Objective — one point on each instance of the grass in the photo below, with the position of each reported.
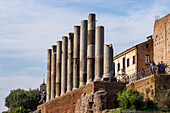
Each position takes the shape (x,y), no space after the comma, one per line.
(144,110)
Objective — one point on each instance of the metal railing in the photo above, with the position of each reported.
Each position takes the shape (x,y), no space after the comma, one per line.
(125,78)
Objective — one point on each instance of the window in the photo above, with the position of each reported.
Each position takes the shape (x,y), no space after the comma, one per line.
(124,63)
(147,46)
(128,62)
(118,67)
(147,59)
(133,59)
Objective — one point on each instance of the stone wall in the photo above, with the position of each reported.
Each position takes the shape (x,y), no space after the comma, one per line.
(161,41)
(150,85)
(112,88)
(67,102)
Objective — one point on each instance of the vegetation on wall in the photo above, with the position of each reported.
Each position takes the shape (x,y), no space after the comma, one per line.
(130,99)
(163,99)
(159,91)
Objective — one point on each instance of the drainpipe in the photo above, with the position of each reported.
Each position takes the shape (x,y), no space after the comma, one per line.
(136,59)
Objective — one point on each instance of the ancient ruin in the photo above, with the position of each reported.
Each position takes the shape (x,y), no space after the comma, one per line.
(79,59)
(81,70)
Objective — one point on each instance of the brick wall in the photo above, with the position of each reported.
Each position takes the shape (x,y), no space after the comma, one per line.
(162,82)
(151,84)
(67,103)
(112,88)
(143,85)
(142,51)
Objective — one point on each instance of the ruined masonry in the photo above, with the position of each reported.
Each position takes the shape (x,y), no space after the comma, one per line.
(80,68)
(79,59)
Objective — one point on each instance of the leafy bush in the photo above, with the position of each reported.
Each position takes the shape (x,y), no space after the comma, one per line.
(150,104)
(19,110)
(130,99)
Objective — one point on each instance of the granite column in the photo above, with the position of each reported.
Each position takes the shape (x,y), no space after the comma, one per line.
(83,52)
(91,47)
(70,62)
(53,72)
(64,65)
(76,55)
(58,68)
(108,63)
(99,47)
(48,75)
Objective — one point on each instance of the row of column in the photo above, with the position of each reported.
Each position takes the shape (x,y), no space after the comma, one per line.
(79,59)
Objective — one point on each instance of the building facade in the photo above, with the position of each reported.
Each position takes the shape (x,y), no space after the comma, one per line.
(134,59)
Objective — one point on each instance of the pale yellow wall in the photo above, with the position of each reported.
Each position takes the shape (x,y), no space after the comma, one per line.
(132,67)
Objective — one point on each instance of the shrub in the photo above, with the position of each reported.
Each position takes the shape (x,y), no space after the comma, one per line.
(153,79)
(150,104)
(19,110)
(130,99)
(132,85)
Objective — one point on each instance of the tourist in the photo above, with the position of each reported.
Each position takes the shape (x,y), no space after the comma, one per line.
(142,73)
(158,67)
(152,64)
(164,72)
(162,67)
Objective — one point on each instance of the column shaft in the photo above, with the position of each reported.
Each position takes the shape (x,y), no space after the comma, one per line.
(108,63)
(64,65)
(58,68)
(91,47)
(53,72)
(99,47)
(70,62)
(111,60)
(48,75)
(83,52)
(76,48)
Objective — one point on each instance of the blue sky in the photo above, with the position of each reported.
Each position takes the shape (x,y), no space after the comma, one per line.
(29,27)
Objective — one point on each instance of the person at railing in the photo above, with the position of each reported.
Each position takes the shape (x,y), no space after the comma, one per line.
(159,68)
(152,64)
(162,67)
(164,72)
(142,73)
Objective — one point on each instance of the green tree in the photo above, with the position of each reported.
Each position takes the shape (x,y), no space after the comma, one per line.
(130,99)
(33,98)
(24,99)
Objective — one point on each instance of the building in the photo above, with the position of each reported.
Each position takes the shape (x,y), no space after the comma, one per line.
(134,59)
(42,91)
(161,40)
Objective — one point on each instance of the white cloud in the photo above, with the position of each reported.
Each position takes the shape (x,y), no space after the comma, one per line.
(32,28)
(20,81)
(124,31)
(29,28)
(32,68)
(15,82)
